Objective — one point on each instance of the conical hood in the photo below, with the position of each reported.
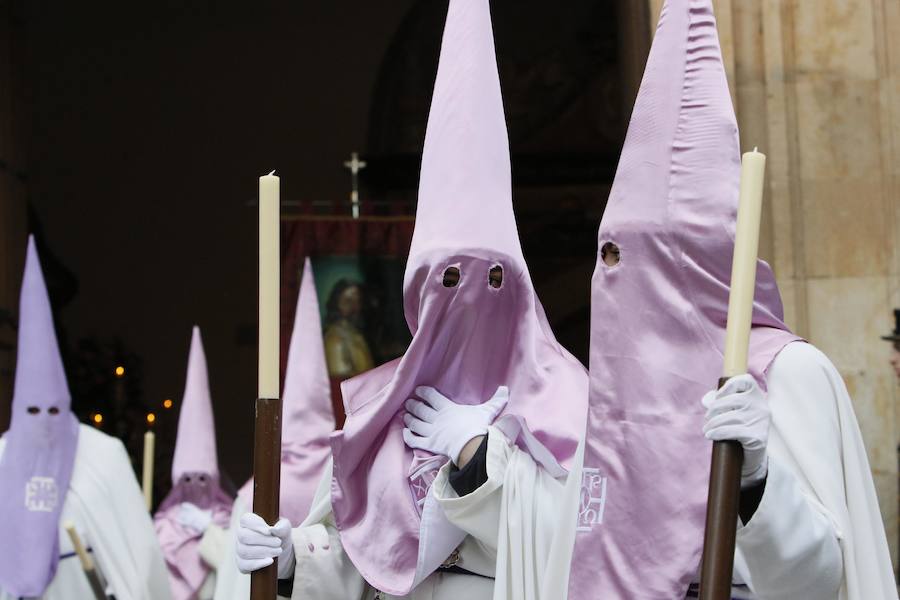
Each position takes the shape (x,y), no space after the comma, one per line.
(195,478)
(308,414)
(307,410)
(476,321)
(40,376)
(195,448)
(465,186)
(37,462)
(658,321)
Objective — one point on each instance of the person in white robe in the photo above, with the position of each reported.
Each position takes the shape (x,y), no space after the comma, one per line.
(191,521)
(55,471)
(449,478)
(809,526)
(307,421)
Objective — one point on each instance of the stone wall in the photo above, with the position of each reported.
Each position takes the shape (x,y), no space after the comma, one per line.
(817,88)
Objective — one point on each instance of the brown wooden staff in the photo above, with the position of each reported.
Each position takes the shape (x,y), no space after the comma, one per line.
(728,457)
(267,435)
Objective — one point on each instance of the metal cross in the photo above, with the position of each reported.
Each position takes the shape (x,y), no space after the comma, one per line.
(355,165)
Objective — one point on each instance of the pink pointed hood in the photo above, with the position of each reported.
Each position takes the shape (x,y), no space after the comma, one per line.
(195,479)
(658,321)
(469,337)
(195,447)
(307,413)
(37,462)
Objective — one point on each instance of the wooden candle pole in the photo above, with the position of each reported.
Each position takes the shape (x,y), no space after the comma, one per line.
(147,475)
(87,564)
(267,436)
(728,457)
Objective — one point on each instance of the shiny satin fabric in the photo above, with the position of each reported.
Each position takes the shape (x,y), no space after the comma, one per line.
(307,413)
(180,545)
(468,338)
(658,321)
(40,446)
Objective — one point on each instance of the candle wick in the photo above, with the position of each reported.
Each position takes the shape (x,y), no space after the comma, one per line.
(272,173)
(755,149)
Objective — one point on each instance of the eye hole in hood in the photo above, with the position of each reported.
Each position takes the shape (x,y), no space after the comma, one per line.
(610,254)
(495,277)
(451,277)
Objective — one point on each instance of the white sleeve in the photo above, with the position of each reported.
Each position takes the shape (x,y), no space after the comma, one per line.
(213,544)
(793,545)
(519,514)
(790,547)
(323,569)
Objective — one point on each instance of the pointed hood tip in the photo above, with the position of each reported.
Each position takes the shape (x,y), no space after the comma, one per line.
(307,387)
(195,446)
(40,375)
(683,117)
(465,186)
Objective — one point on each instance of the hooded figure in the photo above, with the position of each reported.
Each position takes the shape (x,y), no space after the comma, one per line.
(659,306)
(190,521)
(307,421)
(481,344)
(53,470)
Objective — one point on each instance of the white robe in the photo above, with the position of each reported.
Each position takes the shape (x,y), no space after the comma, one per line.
(107,507)
(213,547)
(817,533)
(520,525)
(231,584)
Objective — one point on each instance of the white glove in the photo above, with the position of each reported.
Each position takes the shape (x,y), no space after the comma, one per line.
(193,517)
(259,544)
(441,426)
(739,412)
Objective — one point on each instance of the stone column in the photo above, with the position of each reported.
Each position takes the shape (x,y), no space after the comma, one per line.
(12,202)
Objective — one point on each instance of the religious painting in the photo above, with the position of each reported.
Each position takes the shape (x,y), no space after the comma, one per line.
(362,313)
(358,266)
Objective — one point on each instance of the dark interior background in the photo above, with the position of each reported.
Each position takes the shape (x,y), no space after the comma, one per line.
(145,126)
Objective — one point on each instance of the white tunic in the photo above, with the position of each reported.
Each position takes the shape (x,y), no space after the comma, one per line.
(212,549)
(231,584)
(107,507)
(512,522)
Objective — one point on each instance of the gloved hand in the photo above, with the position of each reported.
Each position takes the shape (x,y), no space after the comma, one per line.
(258,544)
(193,517)
(739,411)
(441,426)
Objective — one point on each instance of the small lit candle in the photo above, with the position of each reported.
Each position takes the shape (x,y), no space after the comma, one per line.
(743,270)
(269,278)
(147,479)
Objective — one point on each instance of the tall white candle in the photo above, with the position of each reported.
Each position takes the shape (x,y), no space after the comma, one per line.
(147,475)
(743,269)
(269,278)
